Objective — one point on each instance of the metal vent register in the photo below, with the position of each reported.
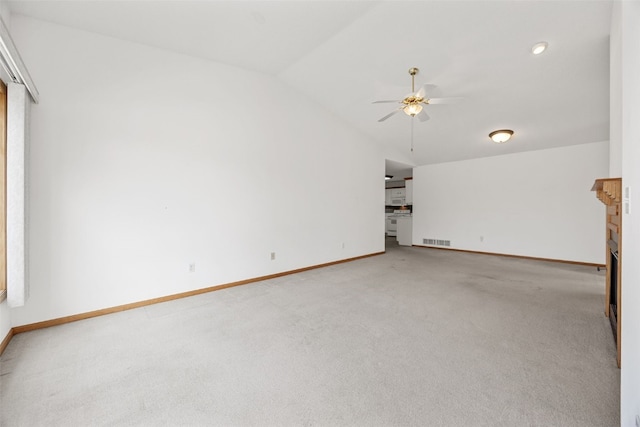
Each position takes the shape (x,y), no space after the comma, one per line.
(436,242)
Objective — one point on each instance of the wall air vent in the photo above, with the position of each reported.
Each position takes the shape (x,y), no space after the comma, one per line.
(436,242)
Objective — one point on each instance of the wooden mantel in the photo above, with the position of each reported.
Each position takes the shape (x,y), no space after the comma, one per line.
(609,192)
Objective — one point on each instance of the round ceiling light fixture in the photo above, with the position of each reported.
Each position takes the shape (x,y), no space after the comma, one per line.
(412,109)
(501,136)
(538,48)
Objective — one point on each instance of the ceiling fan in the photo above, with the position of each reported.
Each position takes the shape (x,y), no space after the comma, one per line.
(412,104)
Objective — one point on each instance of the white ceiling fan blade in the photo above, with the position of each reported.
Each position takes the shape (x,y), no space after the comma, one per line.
(423,116)
(384,102)
(390,114)
(451,100)
(422,93)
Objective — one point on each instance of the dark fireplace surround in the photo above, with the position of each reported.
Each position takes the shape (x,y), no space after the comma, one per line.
(613,288)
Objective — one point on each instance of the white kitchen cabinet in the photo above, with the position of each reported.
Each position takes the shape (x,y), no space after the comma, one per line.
(408,193)
(404,231)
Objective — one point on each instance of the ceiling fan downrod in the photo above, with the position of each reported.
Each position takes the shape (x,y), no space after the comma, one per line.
(413,71)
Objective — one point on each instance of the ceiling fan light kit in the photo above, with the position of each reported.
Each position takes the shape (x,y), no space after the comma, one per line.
(501,136)
(412,109)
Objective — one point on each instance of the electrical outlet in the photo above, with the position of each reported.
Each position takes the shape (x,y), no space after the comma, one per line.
(192,267)
(626,199)
(273,256)
(482,238)
(342,245)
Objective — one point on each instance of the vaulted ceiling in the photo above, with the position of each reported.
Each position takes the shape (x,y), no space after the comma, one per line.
(346,54)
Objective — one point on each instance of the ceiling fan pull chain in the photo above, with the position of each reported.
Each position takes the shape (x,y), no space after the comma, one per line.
(412,134)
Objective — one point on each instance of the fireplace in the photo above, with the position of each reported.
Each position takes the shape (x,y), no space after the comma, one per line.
(609,192)
(613,292)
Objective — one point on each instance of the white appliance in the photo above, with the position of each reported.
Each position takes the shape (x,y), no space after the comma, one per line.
(397,196)
(392,226)
(392,220)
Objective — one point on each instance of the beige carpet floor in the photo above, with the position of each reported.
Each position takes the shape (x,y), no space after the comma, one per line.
(414,337)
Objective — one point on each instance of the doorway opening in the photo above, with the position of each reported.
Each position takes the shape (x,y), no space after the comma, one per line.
(398,207)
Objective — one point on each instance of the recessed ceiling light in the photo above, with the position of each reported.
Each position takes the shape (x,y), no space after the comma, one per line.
(501,136)
(538,48)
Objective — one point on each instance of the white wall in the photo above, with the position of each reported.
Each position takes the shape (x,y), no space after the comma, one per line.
(534,204)
(615,95)
(18,107)
(5,320)
(628,16)
(144,161)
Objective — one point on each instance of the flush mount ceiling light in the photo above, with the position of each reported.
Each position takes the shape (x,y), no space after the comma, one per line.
(538,48)
(501,136)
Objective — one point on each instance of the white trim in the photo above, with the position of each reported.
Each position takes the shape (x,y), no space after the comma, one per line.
(12,63)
